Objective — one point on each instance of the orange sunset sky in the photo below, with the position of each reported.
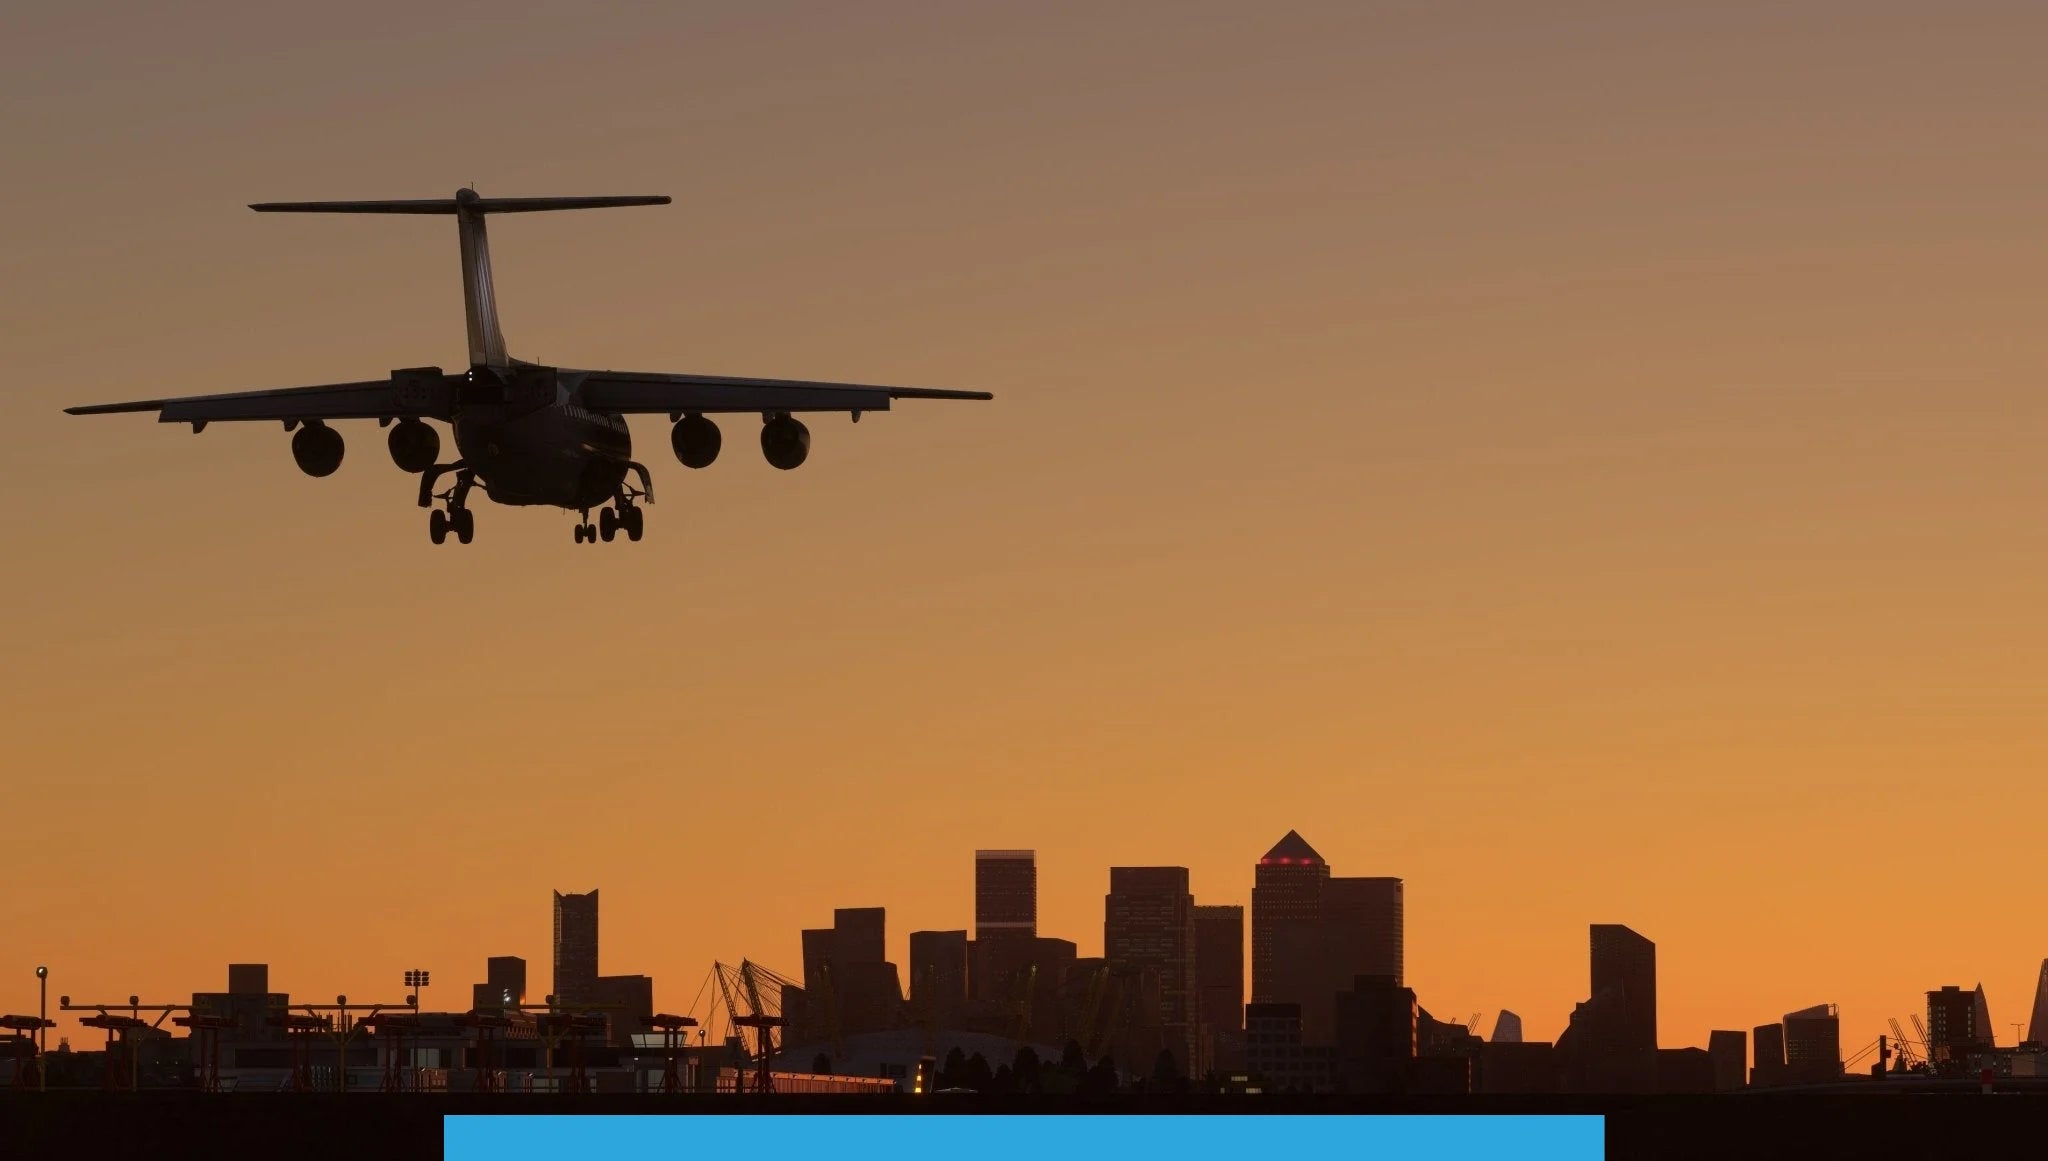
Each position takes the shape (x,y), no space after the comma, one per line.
(1582,458)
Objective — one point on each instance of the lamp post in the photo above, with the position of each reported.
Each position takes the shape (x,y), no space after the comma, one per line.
(42,1031)
(416,979)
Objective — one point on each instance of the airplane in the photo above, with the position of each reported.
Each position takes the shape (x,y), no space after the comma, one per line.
(525,434)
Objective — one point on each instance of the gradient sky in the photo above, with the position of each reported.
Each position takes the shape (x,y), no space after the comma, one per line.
(1582,458)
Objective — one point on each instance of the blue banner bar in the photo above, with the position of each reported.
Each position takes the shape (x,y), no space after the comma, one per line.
(1000,1138)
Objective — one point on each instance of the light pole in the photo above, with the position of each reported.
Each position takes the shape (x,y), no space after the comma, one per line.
(42,1030)
(416,979)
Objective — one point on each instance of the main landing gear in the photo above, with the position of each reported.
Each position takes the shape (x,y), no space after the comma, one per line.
(623,516)
(457,517)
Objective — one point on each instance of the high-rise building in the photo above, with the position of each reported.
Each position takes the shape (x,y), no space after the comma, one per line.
(1149,922)
(1507,1028)
(1625,965)
(938,974)
(1287,892)
(862,934)
(2037,1030)
(1980,1012)
(1005,920)
(1813,1045)
(1767,1043)
(1365,919)
(504,984)
(1219,982)
(1377,1035)
(1727,1049)
(1952,1028)
(575,976)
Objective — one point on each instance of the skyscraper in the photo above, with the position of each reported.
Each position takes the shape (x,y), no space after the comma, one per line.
(1625,965)
(1767,1048)
(1953,1031)
(1005,919)
(1219,982)
(1287,891)
(2039,1027)
(1507,1028)
(1728,1050)
(938,973)
(1149,922)
(575,947)
(861,934)
(1813,1044)
(1365,917)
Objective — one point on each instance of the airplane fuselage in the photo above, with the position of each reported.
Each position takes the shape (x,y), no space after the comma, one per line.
(558,453)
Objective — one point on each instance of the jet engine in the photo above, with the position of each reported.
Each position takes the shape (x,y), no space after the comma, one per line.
(786,442)
(318,449)
(414,446)
(696,441)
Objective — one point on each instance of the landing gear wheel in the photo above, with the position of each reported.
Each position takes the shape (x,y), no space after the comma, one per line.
(464,522)
(635,523)
(579,532)
(608,524)
(437,526)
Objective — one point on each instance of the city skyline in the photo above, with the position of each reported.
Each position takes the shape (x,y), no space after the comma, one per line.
(1622,964)
(1582,458)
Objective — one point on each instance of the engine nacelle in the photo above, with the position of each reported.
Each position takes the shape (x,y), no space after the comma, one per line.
(786,442)
(696,441)
(414,446)
(318,449)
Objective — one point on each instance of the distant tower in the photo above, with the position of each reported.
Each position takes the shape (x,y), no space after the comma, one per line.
(575,946)
(1149,922)
(1981,1011)
(1507,1028)
(2039,1028)
(1005,919)
(1287,889)
(1625,965)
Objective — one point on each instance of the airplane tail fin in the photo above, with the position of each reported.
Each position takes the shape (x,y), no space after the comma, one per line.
(480,303)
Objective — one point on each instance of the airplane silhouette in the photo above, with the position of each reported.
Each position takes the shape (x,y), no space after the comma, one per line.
(526,434)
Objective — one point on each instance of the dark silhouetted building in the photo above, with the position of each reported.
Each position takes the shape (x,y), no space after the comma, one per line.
(1287,890)
(1219,982)
(1730,1053)
(938,977)
(1625,965)
(1365,917)
(1275,1055)
(1953,1034)
(504,984)
(1982,1021)
(849,986)
(1149,922)
(627,1001)
(1376,1036)
(1685,1070)
(1507,1028)
(2037,1028)
(862,934)
(1813,1045)
(1005,920)
(1312,934)
(1519,1067)
(575,978)
(1768,1045)
(249,1002)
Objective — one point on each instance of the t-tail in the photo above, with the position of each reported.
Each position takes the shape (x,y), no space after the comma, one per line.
(479,301)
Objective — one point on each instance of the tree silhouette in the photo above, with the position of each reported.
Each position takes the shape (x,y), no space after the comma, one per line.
(1025,1069)
(952,1073)
(1004,1081)
(978,1077)
(1073,1061)
(1101,1079)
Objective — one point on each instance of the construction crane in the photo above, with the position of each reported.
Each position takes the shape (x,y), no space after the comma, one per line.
(1472,1025)
(1906,1056)
(745,983)
(1926,1045)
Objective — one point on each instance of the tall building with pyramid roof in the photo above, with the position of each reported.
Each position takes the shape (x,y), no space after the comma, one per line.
(1287,889)
(1314,934)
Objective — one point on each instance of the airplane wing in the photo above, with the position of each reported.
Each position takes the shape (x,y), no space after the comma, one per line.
(633,391)
(426,393)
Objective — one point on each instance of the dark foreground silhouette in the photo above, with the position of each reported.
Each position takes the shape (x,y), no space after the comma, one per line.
(368,1125)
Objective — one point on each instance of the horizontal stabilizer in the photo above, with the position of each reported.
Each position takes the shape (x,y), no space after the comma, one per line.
(465,201)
